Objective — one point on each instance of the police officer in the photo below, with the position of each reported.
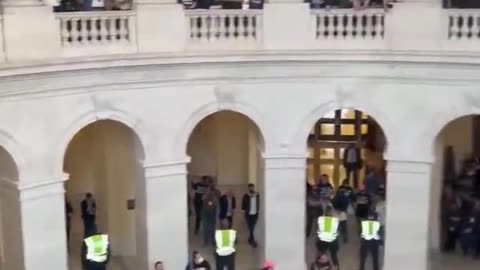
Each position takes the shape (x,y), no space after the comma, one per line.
(328,235)
(453,226)
(225,241)
(95,251)
(370,240)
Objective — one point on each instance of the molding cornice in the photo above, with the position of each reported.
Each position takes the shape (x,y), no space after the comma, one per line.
(131,77)
(101,62)
(167,169)
(408,167)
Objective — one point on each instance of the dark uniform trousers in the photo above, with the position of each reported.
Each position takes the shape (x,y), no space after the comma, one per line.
(369,246)
(331,247)
(90,265)
(227,262)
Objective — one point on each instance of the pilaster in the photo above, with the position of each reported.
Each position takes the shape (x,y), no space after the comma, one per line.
(169,33)
(167,213)
(285,210)
(424,31)
(408,199)
(295,33)
(26,24)
(42,223)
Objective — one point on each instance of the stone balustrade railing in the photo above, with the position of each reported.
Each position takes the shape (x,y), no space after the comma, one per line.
(463,29)
(224,29)
(94,33)
(103,33)
(349,29)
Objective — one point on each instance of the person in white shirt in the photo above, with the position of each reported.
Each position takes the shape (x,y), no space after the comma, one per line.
(251,209)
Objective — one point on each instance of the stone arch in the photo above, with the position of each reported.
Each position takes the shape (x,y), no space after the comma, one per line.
(11,147)
(436,144)
(441,122)
(300,137)
(85,119)
(180,147)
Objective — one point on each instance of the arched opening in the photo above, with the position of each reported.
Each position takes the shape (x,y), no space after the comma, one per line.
(345,172)
(226,150)
(455,195)
(105,159)
(11,237)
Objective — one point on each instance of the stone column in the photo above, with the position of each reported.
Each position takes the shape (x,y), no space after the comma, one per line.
(408,198)
(30,30)
(42,211)
(166,214)
(161,26)
(284,206)
(287,25)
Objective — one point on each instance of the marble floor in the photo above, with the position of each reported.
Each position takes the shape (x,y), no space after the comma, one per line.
(249,258)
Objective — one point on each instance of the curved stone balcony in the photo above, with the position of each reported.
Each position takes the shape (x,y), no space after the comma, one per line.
(410,28)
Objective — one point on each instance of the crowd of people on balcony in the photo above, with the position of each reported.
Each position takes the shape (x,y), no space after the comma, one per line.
(102,5)
(461,3)
(93,5)
(355,4)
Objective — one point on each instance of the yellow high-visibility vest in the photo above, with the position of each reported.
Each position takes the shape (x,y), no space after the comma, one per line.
(97,248)
(327,228)
(225,240)
(370,230)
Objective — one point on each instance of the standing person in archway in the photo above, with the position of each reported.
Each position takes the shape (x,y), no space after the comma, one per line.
(68,219)
(227,205)
(352,161)
(314,205)
(89,211)
(364,203)
(199,188)
(209,215)
(251,209)
(342,200)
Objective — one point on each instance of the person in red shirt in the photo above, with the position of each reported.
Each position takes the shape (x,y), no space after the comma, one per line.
(267,265)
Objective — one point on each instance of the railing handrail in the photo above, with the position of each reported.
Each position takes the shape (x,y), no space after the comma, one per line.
(342,11)
(101,13)
(461,11)
(197,12)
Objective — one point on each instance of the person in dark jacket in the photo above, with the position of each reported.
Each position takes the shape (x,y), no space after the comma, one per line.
(198,262)
(314,207)
(209,215)
(227,205)
(199,188)
(68,218)
(453,227)
(322,262)
(342,200)
(364,202)
(89,209)
(468,234)
(251,209)
(352,162)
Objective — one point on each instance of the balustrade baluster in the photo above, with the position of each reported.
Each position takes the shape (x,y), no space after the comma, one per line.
(94,29)
(75,31)
(65,26)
